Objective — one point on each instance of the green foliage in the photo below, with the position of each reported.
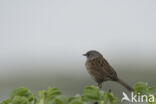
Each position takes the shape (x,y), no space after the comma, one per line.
(20,96)
(53,95)
(92,93)
(109,98)
(143,88)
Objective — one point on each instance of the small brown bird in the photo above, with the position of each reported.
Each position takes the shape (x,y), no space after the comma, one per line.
(100,69)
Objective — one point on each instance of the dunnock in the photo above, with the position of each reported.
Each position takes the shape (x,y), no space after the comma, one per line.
(100,69)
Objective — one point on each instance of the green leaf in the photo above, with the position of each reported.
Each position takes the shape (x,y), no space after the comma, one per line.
(71,99)
(92,93)
(143,88)
(23,92)
(60,100)
(52,92)
(20,100)
(42,95)
(109,98)
(8,101)
(76,101)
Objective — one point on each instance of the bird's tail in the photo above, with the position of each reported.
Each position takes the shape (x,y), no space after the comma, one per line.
(125,85)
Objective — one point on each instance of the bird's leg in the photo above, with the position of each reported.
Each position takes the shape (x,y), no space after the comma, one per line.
(100,85)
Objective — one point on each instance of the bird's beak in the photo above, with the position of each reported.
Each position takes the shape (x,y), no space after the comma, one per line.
(84,54)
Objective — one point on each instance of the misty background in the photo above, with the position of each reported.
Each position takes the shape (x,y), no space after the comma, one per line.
(42,42)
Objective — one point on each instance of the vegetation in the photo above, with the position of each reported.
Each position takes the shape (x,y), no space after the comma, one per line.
(91,95)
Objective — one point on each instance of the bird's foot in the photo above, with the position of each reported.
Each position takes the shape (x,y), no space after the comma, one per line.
(100,85)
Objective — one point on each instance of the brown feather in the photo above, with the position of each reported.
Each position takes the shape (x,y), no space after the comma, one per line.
(101,70)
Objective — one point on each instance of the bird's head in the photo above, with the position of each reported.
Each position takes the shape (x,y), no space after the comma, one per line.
(92,54)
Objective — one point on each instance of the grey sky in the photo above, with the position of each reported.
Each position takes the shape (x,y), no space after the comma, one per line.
(59,31)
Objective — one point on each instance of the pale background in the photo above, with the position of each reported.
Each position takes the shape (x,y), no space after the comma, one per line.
(42,42)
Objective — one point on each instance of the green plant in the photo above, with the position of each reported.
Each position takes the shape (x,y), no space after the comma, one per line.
(91,95)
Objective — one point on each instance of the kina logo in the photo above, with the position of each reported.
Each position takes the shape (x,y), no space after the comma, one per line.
(138,98)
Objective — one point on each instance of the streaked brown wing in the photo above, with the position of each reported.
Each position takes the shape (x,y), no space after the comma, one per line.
(102,66)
